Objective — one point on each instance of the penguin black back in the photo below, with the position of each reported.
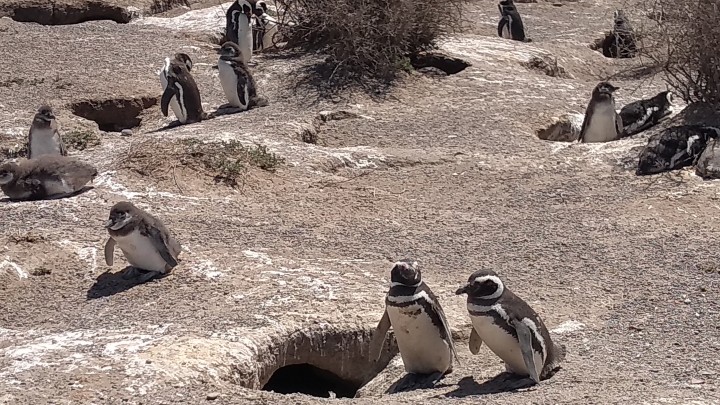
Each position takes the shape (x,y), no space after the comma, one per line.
(182,86)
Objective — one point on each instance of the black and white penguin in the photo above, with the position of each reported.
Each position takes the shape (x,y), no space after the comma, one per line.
(621,42)
(510,25)
(237,81)
(643,114)
(238,26)
(601,123)
(421,329)
(675,148)
(509,327)
(265,28)
(182,87)
(163,75)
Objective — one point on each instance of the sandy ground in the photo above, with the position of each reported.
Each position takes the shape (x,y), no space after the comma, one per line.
(292,266)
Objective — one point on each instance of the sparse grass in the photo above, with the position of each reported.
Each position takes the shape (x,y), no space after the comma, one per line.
(26,238)
(18,150)
(684,38)
(226,161)
(368,39)
(80,139)
(41,271)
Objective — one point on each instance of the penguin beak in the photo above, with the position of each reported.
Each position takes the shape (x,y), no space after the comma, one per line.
(108,223)
(461,290)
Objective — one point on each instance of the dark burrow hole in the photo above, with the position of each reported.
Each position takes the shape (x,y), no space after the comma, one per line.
(564,129)
(445,63)
(116,114)
(50,13)
(310,380)
(318,361)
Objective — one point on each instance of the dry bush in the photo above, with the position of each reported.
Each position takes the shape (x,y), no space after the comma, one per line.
(368,39)
(684,38)
(225,161)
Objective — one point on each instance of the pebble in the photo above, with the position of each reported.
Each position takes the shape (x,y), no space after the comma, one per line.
(126,132)
(212,396)
(696,381)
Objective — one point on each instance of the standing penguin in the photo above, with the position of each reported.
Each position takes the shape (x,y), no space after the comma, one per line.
(643,114)
(509,327)
(163,74)
(237,82)
(602,123)
(146,243)
(44,137)
(421,329)
(510,25)
(182,87)
(238,26)
(621,41)
(265,28)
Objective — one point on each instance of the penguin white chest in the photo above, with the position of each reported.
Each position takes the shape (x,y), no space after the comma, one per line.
(422,349)
(44,142)
(245,38)
(140,252)
(58,187)
(174,105)
(602,125)
(228,79)
(504,345)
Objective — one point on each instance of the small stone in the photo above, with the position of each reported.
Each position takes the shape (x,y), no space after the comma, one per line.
(126,132)
(696,381)
(686,300)
(212,396)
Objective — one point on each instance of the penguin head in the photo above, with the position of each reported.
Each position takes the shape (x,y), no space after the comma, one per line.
(248,8)
(603,90)
(45,113)
(406,272)
(619,15)
(7,172)
(483,284)
(184,58)
(260,8)
(121,214)
(230,50)
(650,163)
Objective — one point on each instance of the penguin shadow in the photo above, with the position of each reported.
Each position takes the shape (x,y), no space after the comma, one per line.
(411,382)
(503,382)
(108,284)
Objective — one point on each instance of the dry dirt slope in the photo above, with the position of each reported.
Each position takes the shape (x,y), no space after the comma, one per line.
(292,267)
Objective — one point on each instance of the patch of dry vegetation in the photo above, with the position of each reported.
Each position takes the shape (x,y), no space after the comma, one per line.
(81,139)
(368,39)
(684,38)
(227,161)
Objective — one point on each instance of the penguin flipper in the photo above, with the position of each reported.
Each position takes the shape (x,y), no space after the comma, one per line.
(475,341)
(61,144)
(618,126)
(168,94)
(378,338)
(438,309)
(525,339)
(109,250)
(586,122)
(159,244)
(503,22)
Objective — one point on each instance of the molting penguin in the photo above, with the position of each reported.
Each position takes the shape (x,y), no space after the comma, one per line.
(146,243)
(182,87)
(163,74)
(675,148)
(44,178)
(601,123)
(44,137)
(421,329)
(509,327)
(238,27)
(237,81)
(643,114)
(621,41)
(510,25)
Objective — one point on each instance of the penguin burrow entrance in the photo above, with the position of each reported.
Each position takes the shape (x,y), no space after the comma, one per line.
(323,361)
(563,129)
(114,115)
(49,13)
(447,64)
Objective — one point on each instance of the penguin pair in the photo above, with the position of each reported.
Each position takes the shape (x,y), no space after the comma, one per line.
(510,25)
(248,25)
(506,323)
(181,93)
(147,244)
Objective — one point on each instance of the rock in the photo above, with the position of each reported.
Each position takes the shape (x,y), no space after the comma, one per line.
(126,132)
(212,396)
(708,165)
